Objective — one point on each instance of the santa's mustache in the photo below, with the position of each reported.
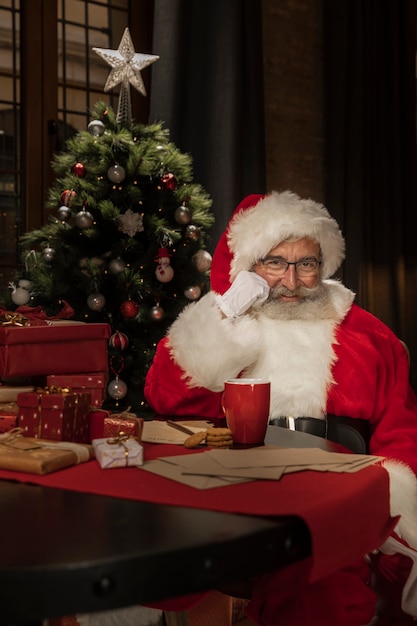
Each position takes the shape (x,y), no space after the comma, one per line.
(301,292)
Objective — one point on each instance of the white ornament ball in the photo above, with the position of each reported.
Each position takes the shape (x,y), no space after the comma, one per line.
(116,266)
(20,296)
(202,260)
(192,293)
(116,173)
(117,389)
(84,219)
(96,301)
(96,128)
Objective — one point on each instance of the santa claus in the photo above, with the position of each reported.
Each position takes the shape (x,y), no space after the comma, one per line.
(275,312)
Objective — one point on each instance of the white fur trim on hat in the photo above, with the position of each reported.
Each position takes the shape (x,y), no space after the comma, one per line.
(255,231)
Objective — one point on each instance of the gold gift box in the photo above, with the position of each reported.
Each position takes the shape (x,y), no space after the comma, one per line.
(40,456)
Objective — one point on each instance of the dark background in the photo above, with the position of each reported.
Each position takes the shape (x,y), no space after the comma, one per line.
(317,96)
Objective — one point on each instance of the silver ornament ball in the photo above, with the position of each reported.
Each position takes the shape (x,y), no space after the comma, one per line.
(117,389)
(64,213)
(157,313)
(183,215)
(116,266)
(202,260)
(192,232)
(49,253)
(193,292)
(116,173)
(96,301)
(84,219)
(96,128)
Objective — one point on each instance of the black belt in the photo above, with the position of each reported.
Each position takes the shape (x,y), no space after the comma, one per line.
(349,432)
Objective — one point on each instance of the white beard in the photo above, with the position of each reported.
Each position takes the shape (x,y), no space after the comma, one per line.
(296,352)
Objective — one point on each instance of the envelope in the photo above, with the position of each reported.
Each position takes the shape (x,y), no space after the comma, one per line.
(218,467)
(170,467)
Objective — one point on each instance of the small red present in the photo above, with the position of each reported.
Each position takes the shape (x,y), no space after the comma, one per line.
(94,384)
(107,424)
(58,348)
(7,421)
(55,413)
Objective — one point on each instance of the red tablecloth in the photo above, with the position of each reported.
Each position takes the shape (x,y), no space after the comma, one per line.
(348,514)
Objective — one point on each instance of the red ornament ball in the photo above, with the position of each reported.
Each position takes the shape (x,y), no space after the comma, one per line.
(67,197)
(129,309)
(79,170)
(119,340)
(169,182)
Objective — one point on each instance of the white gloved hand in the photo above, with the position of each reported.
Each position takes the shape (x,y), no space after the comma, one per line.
(247,290)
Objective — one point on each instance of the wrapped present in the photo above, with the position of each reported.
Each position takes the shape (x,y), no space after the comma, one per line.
(107,424)
(39,456)
(55,413)
(93,383)
(25,315)
(9,407)
(9,393)
(121,451)
(8,421)
(57,348)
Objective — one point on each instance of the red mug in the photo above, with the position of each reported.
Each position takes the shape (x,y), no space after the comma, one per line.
(245,403)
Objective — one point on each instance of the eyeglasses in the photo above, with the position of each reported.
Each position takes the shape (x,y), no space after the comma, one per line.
(277,266)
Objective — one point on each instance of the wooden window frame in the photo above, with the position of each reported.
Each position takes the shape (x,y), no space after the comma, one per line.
(39,96)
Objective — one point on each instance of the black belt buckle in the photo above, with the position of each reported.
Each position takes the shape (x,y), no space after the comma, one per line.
(347,431)
(310,425)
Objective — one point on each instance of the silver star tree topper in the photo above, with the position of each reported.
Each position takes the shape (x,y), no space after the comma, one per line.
(126,67)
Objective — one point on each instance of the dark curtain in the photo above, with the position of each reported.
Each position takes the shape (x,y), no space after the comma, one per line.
(207,88)
(370,161)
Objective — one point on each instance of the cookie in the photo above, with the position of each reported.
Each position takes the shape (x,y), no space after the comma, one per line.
(193,441)
(217,433)
(219,438)
(219,444)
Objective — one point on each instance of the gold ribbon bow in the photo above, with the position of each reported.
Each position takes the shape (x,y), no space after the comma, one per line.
(119,440)
(14,319)
(45,391)
(11,435)
(53,389)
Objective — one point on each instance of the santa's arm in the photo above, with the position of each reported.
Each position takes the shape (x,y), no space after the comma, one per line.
(201,351)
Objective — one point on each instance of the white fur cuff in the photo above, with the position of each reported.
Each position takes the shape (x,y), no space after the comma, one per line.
(209,348)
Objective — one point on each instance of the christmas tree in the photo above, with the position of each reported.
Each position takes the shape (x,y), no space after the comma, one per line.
(125,242)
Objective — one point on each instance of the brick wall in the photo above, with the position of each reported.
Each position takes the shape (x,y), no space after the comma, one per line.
(292,34)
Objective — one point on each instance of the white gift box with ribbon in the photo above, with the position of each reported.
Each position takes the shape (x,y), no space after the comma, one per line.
(121,451)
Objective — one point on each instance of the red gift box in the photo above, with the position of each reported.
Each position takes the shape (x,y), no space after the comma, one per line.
(107,424)
(69,348)
(94,384)
(7,421)
(58,415)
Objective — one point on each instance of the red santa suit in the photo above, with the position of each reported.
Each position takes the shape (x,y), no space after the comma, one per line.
(340,360)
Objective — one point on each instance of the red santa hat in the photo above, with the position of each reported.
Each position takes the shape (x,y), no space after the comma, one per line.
(260,223)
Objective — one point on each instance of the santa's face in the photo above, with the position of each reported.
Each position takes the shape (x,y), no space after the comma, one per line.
(290,285)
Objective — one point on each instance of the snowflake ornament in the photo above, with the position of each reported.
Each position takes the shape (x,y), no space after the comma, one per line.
(131,223)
